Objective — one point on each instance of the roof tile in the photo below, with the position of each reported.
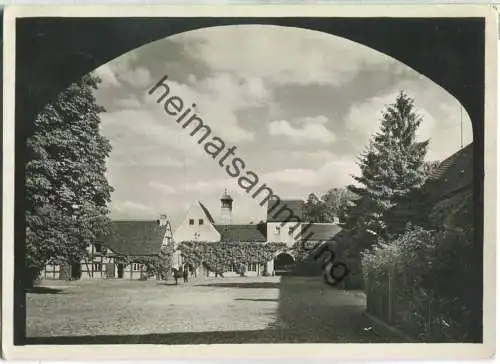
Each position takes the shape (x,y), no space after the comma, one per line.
(134,237)
(244,233)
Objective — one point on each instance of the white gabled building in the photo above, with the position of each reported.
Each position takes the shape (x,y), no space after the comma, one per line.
(284,225)
(198,225)
(143,239)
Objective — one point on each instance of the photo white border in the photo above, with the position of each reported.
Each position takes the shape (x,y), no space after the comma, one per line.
(254,351)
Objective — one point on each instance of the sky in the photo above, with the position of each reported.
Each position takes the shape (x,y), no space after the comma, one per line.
(298,105)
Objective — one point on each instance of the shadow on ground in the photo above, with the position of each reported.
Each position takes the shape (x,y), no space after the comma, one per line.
(193,338)
(242,285)
(257,299)
(308,311)
(44,290)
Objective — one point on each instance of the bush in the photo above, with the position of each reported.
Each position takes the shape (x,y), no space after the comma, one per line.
(421,281)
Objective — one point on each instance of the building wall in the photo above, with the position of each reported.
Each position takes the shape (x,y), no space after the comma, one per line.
(96,269)
(278,232)
(252,270)
(101,264)
(191,230)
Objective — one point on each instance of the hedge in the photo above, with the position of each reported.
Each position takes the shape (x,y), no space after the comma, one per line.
(421,281)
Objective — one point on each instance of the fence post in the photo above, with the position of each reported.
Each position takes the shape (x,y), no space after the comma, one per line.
(389,297)
(429,320)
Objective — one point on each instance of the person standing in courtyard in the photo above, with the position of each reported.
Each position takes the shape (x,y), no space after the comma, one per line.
(180,273)
(176,275)
(185,274)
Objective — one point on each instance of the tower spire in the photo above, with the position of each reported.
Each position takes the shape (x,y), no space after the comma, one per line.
(226,204)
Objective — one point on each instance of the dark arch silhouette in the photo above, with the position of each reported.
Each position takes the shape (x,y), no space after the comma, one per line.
(53,52)
(283,262)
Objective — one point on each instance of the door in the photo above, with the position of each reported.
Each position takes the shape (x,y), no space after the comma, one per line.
(76,271)
(120,270)
(283,263)
(110,270)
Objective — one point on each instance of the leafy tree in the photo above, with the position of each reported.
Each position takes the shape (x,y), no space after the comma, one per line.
(328,207)
(67,190)
(313,210)
(391,167)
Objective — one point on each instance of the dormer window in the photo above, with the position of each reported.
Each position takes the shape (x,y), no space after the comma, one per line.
(277,229)
(98,248)
(191,221)
(200,222)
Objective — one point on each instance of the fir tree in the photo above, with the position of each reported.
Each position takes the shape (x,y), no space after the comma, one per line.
(391,167)
(67,190)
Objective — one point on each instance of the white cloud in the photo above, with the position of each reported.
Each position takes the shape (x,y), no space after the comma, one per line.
(217,101)
(310,132)
(132,128)
(118,70)
(167,189)
(138,77)
(127,103)
(316,155)
(238,89)
(333,173)
(440,114)
(128,207)
(107,76)
(318,119)
(216,185)
(280,55)
(364,118)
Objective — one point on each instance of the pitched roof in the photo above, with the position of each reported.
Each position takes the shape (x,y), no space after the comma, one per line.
(134,237)
(452,175)
(245,233)
(207,213)
(295,206)
(323,232)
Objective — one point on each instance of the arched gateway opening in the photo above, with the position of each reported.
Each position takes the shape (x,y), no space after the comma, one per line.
(283,263)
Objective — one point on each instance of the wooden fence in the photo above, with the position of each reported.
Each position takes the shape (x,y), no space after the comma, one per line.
(393,300)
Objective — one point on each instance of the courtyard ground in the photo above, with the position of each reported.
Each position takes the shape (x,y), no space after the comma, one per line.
(214,310)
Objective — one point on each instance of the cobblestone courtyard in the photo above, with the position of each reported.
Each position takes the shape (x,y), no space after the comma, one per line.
(216,310)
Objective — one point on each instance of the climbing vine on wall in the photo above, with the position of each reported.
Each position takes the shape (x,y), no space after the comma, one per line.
(160,264)
(220,255)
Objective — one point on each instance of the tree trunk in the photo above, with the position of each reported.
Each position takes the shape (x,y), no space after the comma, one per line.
(31,278)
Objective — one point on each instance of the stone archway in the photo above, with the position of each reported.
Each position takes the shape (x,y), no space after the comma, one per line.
(283,263)
(67,45)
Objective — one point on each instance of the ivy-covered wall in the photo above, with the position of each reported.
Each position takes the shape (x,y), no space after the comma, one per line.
(220,255)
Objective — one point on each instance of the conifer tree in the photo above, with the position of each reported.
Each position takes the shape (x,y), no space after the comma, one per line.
(391,167)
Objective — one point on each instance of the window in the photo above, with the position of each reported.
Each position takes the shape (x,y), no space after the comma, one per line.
(98,248)
(200,221)
(277,229)
(232,268)
(191,221)
(97,267)
(252,267)
(290,230)
(136,267)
